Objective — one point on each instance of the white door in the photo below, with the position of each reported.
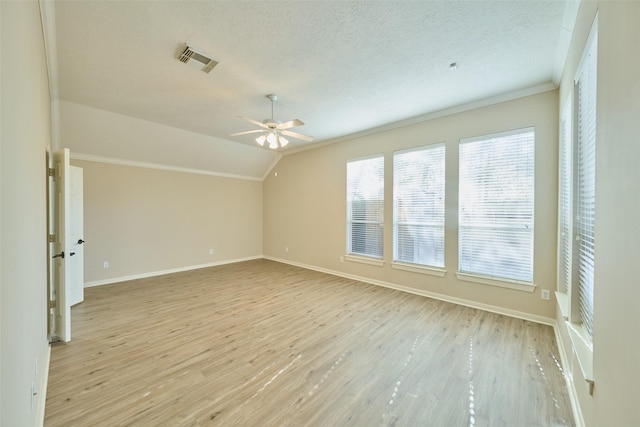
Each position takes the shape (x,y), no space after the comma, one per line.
(68,257)
(61,224)
(75,263)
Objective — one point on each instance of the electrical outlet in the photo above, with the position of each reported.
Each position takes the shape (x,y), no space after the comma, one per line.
(341,258)
(210,251)
(286,249)
(105,264)
(545,294)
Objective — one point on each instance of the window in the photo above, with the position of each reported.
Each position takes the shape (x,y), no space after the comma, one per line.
(564,202)
(584,186)
(418,206)
(496,200)
(365,206)
(576,237)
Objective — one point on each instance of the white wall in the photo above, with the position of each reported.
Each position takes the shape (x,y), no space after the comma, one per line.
(23,276)
(616,347)
(617,278)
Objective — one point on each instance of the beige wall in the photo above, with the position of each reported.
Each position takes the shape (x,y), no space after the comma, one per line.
(305,209)
(616,348)
(143,221)
(25,131)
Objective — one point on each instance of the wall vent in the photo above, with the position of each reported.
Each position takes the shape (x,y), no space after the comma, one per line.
(189,55)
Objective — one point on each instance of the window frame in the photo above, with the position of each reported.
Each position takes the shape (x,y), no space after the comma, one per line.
(579,324)
(463,273)
(437,223)
(569,300)
(364,257)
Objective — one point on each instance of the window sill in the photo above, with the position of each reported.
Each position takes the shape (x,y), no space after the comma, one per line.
(365,260)
(563,304)
(502,283)
(583,351)
(414,268)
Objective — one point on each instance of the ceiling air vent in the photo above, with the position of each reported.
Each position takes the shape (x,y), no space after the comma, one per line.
(190,56)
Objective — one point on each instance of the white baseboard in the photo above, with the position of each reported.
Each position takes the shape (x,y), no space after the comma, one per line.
(460,301)
(42,387)
(163,272)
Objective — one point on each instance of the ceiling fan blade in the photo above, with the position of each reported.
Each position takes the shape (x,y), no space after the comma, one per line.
(289,124)
(247,132)
(255,122)
(297,135)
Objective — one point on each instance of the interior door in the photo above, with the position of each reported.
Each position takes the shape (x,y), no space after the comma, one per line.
(75,263)
(62,240)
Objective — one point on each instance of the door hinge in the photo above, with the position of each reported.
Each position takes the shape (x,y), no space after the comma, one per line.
(51,172)
(52,304)
(51,238)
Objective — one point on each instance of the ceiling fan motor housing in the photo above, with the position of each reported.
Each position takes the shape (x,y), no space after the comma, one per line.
(271,123)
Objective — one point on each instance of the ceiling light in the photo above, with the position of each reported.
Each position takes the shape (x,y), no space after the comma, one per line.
(274,139)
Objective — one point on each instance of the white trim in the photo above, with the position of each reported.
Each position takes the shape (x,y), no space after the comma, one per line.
(568,376)
(583,349)
(420,148)
(364,260)
(42,386)
(493,281)
(467,303)
(498,99)
(592,38)
(495,135)
(133,163)
(169,271)
(421,269)
(367,157)
(562,299)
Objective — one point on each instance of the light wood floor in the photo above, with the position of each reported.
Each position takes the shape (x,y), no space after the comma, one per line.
(266,344)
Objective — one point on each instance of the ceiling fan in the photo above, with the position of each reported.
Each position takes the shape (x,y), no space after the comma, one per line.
(273,130)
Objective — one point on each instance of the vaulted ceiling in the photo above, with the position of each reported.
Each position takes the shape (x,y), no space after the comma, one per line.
(342,67)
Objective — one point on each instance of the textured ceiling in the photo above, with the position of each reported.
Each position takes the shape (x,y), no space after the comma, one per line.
(342,67)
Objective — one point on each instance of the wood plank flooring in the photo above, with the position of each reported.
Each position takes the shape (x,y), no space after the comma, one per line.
(261,343)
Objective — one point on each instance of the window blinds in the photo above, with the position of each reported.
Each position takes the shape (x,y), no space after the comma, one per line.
(584,184)
(418,205)
(496,202)
(365,206)
(564,217)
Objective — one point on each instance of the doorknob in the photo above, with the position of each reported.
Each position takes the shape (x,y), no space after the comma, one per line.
(60,255)
(72,253)
(80,241)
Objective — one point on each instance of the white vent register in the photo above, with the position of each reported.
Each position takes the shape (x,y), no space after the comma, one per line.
(190,56)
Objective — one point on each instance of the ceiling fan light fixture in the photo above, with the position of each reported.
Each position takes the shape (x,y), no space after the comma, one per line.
(273,129)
